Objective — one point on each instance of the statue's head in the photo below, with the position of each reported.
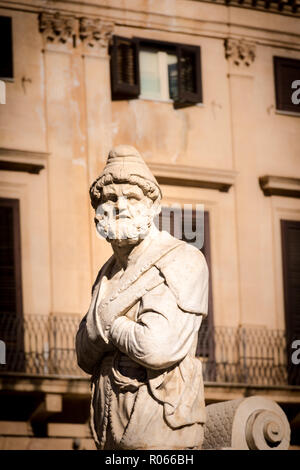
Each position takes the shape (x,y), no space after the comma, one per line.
(126,197)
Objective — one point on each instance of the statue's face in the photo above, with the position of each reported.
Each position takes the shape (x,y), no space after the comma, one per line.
(125,214)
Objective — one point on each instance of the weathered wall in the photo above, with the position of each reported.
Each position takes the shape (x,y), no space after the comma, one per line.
(59,114)
(65,119)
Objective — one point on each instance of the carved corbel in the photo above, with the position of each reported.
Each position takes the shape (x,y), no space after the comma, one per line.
(57,28)
(95,33)
(241,52)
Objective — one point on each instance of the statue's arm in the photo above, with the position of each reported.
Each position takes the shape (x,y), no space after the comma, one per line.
(163,333)
(90,344)
(88,350)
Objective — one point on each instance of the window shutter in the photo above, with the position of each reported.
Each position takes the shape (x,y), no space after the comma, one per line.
(125,82)
(189,76)
(286,72)
(290,231)
(6,50)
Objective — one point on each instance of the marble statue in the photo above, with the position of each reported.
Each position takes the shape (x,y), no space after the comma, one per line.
(138,339)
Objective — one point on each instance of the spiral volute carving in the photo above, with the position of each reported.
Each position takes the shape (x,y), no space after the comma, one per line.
(267,430)
(253,423)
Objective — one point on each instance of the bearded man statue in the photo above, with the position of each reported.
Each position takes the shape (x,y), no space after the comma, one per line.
(139,337)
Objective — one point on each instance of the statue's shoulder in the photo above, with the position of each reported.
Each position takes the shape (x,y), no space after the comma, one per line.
(186,273)
(184,258)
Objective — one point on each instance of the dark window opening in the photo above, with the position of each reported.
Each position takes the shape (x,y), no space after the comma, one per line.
(287,84)
(171,220)
(11,310)
(290,237)
(6,49)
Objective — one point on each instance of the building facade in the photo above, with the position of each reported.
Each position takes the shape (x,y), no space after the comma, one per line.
(208,92)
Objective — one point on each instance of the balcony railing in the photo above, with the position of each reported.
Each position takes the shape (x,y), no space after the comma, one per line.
(43,345)
(278,6)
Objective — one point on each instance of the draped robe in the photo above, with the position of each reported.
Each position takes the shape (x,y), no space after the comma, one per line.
(138,341)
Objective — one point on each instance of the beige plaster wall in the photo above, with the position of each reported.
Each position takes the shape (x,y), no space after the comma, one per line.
(69,235)
(31,190)
(223,246)
(66,112)
(184,136)
(22,118)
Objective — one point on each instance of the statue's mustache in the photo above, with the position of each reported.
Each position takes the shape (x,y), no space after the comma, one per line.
(101,217)
(124,227)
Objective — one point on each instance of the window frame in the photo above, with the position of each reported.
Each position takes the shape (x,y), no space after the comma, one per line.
(126,92)
(280,106)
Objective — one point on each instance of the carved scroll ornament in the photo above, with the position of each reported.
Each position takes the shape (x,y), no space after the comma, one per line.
(253,423)
(93,32)
(57,28)
(241,52)
(60,29)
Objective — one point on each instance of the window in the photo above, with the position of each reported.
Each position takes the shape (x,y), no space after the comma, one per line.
(155,70)
(11,325)
(287,84)
(290,237)
(158,75)
(171,220)
(6,50)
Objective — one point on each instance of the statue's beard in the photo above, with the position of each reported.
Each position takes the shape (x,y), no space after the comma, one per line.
(124,230)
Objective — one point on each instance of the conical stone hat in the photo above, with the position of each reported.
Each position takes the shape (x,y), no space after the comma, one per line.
(124,161)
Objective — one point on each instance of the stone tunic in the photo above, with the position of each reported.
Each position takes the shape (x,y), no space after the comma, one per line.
(138,341)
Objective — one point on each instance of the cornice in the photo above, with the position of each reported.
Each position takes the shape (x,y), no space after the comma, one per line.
(283,7)
(32,168)
(280,186)
(17,153)
(213,21)
(181,175)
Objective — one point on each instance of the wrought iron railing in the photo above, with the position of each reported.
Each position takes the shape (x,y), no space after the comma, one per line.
(246,355)
(40,344)
(45,345)
(279,6)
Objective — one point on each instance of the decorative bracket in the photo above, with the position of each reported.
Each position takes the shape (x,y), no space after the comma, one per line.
(57,28)
(95,32)
(63,29)
(241,52)
(280,186)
